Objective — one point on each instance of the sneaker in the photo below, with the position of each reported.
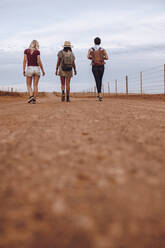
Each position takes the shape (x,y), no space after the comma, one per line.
(30,99)
(34,101)
(100,98)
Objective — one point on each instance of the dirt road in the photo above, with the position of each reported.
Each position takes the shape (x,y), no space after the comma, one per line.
(82,174)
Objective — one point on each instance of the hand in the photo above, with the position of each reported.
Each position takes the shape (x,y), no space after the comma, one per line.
(56,72)
(24,73)
(43,73)
(75,72)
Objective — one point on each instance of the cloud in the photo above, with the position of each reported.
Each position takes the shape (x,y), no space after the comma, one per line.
(117,31)
(131,31)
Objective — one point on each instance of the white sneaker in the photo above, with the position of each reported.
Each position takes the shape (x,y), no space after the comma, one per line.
(31,98)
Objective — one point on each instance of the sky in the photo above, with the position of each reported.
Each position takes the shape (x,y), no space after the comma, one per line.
(132,32)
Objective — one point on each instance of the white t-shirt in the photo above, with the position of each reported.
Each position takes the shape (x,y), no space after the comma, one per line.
(96,47)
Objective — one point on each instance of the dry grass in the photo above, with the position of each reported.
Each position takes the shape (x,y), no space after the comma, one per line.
(87,95)
(121,96)
(8,93)
(19,94)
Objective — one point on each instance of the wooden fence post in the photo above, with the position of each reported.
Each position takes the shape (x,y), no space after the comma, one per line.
(103,89)
(108,88)
(127,85)
(95,90)
(116,86)
(141,83)
(164,79)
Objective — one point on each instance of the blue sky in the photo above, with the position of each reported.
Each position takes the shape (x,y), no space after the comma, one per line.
(131,31)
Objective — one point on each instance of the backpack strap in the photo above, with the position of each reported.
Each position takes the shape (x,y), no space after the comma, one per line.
(62,59)
(92,54)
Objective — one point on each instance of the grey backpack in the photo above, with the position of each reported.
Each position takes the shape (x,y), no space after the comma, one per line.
(67,61)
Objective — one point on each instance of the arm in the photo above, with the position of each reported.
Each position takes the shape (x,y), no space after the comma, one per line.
(74,67)
(105,55)
(40,65)
(89,55)
(24,63)
(57,66)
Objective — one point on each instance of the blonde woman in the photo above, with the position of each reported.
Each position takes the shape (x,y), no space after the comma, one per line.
(33,62)
(64,68)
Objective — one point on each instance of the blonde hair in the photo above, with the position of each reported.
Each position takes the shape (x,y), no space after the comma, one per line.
(34,45)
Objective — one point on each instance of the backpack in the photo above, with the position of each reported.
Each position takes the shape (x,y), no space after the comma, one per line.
(67,61)
(97,57)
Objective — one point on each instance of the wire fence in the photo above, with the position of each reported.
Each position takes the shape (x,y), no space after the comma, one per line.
(151,81)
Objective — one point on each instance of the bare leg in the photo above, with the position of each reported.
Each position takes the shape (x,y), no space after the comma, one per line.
(36,80)
(68,87)
(63,88)
(62,83)
(29,85)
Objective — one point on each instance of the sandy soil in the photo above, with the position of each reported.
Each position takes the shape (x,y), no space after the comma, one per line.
(82,174)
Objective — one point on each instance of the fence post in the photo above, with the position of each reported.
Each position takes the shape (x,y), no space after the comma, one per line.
(108,88)
(164,79)
(103,89)
(127,85)
(95,90)
(116,86)
(141,83)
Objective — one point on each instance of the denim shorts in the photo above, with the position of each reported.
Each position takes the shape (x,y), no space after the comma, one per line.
(33,71)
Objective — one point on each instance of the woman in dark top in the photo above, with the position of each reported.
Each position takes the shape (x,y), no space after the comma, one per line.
(98,55)
(33,61)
